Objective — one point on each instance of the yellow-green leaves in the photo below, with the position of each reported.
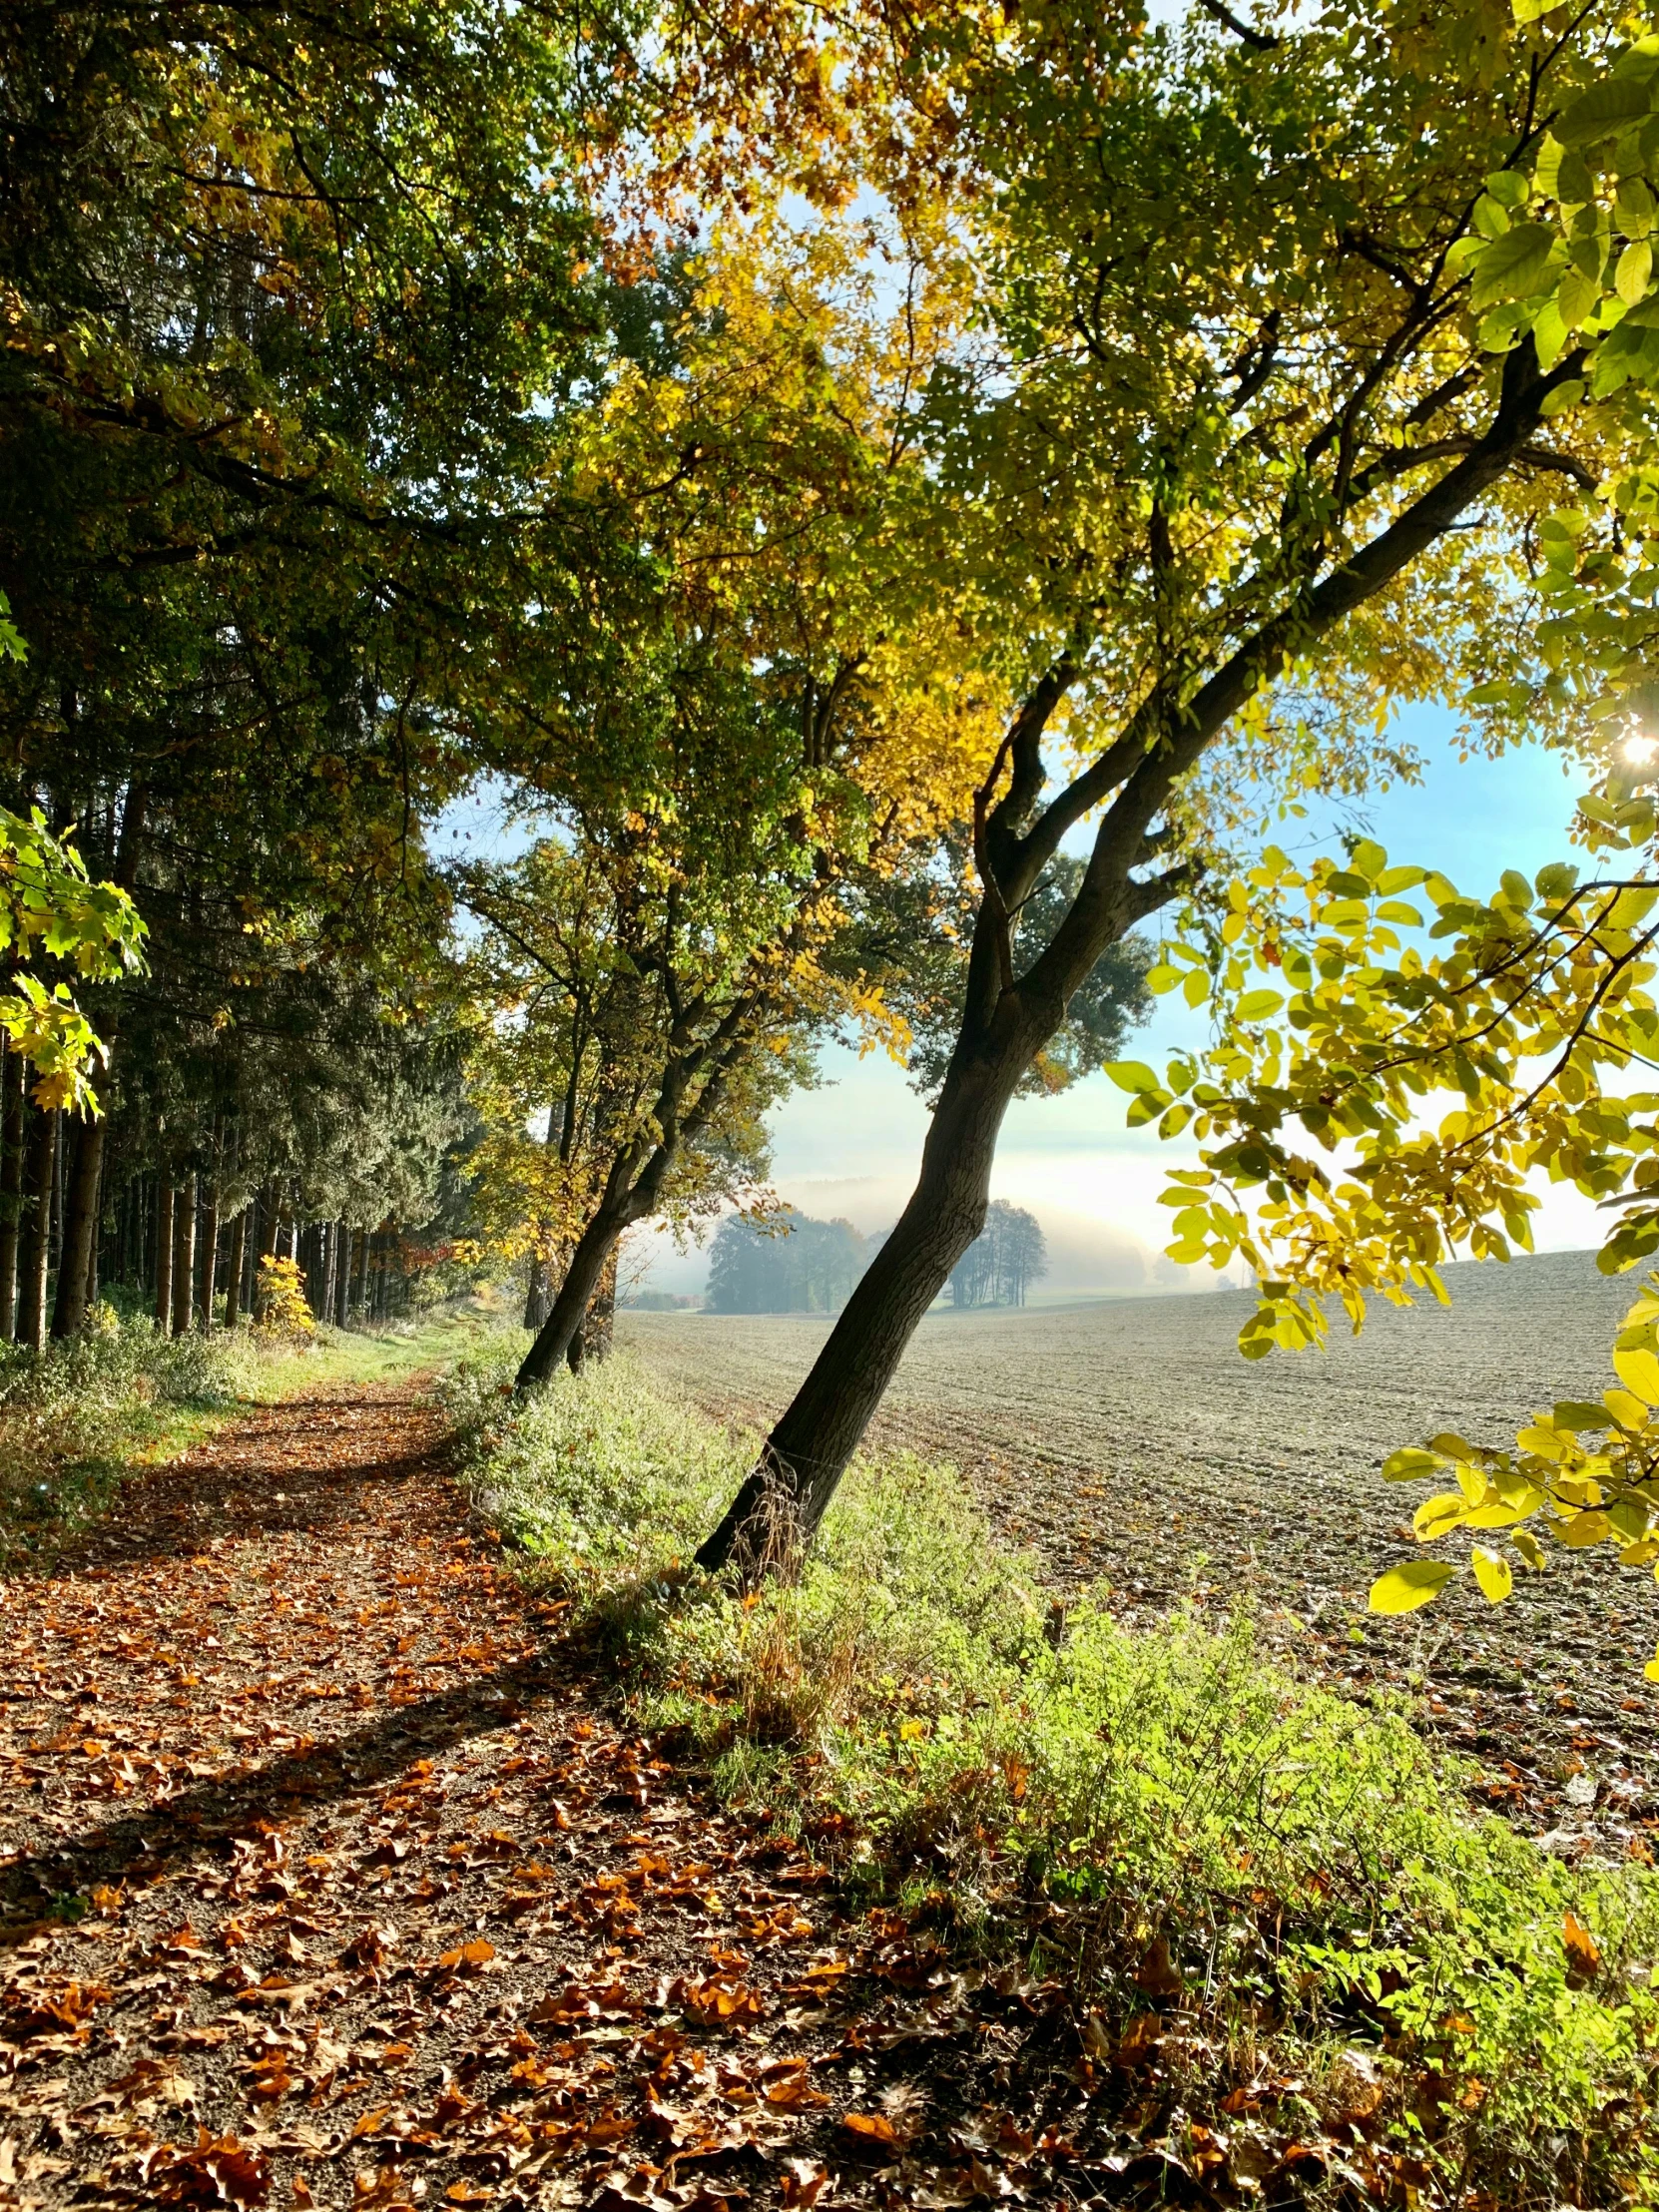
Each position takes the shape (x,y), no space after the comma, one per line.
(1493,1573)
(48,903)
(1404,1588)
(1515,265)
(1638,1370)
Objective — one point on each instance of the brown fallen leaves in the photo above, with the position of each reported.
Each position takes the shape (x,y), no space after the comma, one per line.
(327,1878)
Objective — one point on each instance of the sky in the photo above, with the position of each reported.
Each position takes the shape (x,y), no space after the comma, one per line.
(850,1147)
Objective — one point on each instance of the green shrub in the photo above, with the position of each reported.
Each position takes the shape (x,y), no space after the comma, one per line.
(1301,1866)
(72,1416)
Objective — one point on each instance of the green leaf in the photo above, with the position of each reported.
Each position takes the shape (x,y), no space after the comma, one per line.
(1607,108)
(1513,265)
(1257,1005)
(1403,1589)
(1574,1414)
(1635,272)
(1132,1075)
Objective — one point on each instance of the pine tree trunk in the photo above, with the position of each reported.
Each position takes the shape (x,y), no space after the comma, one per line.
(11,1185)
(776,1511)
(167,1206)
(343,1273)
(184,1256)
(210,1260)
(75,1261)
(595,1245)
(233,1269)
(360,1301)
(35,1240)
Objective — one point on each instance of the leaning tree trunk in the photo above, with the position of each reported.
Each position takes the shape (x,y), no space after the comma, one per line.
(597,1332)
(778,1507)
(595,1245)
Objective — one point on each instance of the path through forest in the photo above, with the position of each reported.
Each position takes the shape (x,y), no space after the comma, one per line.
(328,1877)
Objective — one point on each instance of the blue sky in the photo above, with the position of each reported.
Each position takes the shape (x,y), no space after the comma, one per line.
(850,1147)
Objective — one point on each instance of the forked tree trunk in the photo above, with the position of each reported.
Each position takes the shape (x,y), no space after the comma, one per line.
(594,1337)
(595,1245)
(776,1511)
(167,1200)
(85,1172)
(11,1184)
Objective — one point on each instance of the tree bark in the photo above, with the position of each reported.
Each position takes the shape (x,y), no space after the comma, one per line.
(233,1269)
(594,1338)
(595,1245)
(210,1260)
(538,1299)
(75,1261)
(166,1205)
(12,1081)
(776,1511)
(35,1240)
(184,1256)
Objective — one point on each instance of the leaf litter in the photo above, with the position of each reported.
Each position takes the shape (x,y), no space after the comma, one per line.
(332,1876)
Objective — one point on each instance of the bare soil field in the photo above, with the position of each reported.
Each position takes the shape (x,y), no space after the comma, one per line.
(1128,1443)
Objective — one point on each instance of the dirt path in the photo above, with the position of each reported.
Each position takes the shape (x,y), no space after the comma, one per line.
(327,1878)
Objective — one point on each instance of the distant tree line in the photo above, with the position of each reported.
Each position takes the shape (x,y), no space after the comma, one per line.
(1003,1263)
(790,1264)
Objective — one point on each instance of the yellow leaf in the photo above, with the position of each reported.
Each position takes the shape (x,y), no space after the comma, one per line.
(1492,1573)
(1638,1370)
(1403,1589)
(1447,1510)
(1584,1530)
(1628,1412)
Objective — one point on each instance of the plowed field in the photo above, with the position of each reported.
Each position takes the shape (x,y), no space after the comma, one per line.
(1129,1442)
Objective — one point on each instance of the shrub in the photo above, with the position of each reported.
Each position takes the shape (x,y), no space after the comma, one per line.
(70,1415)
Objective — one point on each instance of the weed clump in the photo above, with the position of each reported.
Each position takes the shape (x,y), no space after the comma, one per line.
(1265,1878)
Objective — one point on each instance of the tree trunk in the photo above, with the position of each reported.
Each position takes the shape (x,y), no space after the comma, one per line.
(342,1273)
(593,1341)
(233,1272)
(595,1245)
(538,1299)
(184,1256)
(166,1205)
(210,1260)
(75,1261)
(775,1512)
(35,1240)
(12,1081)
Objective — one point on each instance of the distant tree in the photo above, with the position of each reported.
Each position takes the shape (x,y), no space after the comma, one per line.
(786,1262)
(1003,1261)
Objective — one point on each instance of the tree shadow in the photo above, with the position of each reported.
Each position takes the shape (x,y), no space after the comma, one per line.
(301,1469)
(147,1841)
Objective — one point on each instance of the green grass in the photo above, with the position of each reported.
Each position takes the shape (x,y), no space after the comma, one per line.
(1317,1874)
(76,1420)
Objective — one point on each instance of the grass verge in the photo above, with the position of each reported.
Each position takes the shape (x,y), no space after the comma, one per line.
(1272,1900)
(76,1418)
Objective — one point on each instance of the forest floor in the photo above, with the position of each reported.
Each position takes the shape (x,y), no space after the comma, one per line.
(328,1875)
